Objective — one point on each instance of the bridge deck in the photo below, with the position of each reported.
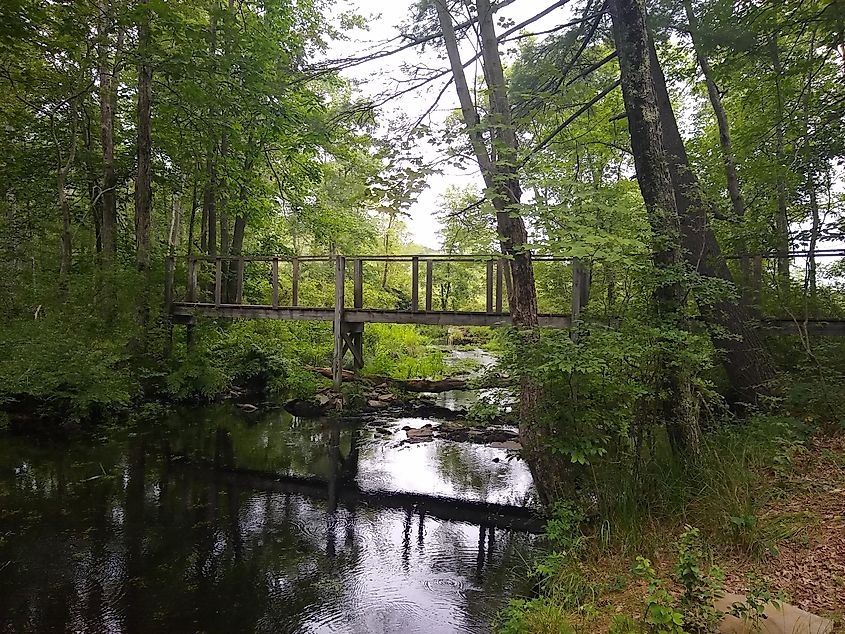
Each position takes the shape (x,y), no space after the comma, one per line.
(228,284)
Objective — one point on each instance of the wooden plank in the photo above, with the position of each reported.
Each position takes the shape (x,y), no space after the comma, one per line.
(274,282)
(500,270)
(192,280)
(489,287)
(294,300)
(415,284)
(429,283)
(218,281)
(337,360)
(358,283)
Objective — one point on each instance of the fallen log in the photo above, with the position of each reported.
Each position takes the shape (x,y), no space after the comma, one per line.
(422,385)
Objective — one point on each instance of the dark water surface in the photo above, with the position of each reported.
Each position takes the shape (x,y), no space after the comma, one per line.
(195,526)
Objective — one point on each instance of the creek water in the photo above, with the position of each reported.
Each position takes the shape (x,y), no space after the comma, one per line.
(215,520)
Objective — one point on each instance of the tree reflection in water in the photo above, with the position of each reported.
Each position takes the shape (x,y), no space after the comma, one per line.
(127,537)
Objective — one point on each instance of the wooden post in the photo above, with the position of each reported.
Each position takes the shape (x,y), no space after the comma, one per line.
(274,282)
(218,281)
(500,270)
(337,360)
(239,284)
(429,283)
(415,284)
(489,287)
(294,300)
(192,279)
(358,283)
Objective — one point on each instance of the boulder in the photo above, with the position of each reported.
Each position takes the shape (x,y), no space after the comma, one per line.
(786,619)
(506,444)
(376,404)
(247,407)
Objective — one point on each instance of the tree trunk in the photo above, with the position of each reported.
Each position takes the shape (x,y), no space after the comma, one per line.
(553,472)
(748,364)
(782,217)
(63,168)
(675,405)
(143,180)
(107,92)
(749,291)
(175,223)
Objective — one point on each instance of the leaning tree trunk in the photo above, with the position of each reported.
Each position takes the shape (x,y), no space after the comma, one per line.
(675,404)
(749,366)
(552,470)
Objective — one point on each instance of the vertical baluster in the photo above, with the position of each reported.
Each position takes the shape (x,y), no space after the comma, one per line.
(415,284)
(294,300)
(239,288)
(274,283)
(429,283)
(500,270)
(358,283)
(192,279)
(218,281)
(489,287)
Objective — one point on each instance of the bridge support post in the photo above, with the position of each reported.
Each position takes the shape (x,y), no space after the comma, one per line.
(337,359)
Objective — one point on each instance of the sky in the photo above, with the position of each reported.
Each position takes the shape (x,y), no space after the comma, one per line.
(383,19)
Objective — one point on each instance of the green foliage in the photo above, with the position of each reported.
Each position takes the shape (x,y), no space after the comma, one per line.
(400,352)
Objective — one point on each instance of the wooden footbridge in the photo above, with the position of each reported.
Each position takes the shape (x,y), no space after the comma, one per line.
(219,293)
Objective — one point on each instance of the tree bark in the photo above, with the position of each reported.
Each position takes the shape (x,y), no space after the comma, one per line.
(674,403)
(107,74)
(498,164)
(748,364)
(782,216)
(62,169)
(143,179)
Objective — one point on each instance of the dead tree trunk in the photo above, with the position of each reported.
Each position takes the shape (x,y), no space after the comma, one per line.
(675,405)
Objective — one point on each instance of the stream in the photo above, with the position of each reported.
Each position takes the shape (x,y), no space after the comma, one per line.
(215,520)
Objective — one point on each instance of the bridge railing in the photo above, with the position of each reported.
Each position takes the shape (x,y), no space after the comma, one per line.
(219,280)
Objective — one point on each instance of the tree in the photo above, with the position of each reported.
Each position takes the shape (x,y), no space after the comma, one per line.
(676,406)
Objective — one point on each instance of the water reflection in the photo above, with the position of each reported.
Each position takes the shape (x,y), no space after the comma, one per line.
(192,530)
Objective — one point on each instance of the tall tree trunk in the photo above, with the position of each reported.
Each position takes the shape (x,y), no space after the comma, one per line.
(143,179)
(749,291)
(675,405)
(62,169)
(553,472)
(175,223)
(748,364)
(782,216)
(107,74)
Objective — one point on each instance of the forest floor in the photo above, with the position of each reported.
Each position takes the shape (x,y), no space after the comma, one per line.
(795,547)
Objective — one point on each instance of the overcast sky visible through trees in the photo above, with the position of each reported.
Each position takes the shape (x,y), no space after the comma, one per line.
(384,18)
